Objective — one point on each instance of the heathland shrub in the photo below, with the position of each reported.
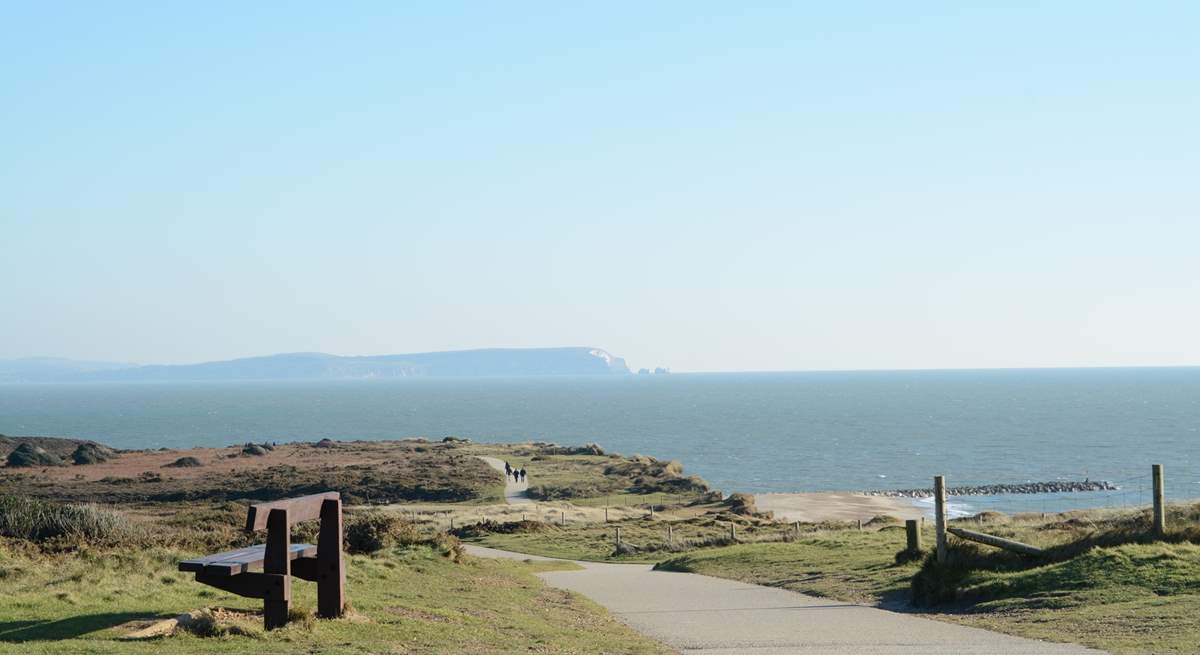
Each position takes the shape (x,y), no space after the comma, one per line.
(372,531)
(90,453)
(39,520)
(740,503)
(28,455)
(449,546)
(489,526)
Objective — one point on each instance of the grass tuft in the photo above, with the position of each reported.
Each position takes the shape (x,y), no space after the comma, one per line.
(41,521)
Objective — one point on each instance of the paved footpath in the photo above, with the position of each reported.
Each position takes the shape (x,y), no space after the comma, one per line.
(515,493)
(710,616)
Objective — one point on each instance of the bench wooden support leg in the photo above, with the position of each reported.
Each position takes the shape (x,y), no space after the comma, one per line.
(277,562)
(331,566)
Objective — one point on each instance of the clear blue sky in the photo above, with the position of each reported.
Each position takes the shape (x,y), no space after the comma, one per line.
(708,186)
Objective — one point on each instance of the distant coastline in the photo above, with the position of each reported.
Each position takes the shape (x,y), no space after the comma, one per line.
(490,362)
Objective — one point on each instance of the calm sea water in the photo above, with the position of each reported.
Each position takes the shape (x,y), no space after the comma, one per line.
(746,432)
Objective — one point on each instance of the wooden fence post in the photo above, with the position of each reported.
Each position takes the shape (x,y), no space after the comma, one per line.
(939,516)
(606,514)
(912,529)
(732,531)
(618,537)
(670,535)
(562,517)
(1160,509)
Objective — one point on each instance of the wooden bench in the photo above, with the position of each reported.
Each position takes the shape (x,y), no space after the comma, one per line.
(265,571)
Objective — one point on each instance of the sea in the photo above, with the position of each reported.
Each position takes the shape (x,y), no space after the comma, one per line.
(750,432)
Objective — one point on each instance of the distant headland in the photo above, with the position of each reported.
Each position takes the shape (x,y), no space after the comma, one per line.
(491,362)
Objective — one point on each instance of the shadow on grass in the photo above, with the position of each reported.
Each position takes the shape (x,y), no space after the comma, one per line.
(68,628)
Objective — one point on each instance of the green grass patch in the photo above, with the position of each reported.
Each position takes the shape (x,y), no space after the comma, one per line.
(847,565)
(597,541)
(404,600)
(1133,598)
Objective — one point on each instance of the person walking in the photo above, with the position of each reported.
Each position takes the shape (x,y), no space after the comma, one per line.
(522,473)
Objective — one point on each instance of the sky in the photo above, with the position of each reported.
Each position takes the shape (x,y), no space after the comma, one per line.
(709,186)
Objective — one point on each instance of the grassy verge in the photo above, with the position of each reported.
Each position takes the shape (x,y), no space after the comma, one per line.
(405,600)
(1103,585)
(646,538)
(74,577)
(1134,598)
(847,565)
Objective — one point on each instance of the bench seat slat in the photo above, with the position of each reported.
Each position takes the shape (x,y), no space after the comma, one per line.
(249,552)
(241,560)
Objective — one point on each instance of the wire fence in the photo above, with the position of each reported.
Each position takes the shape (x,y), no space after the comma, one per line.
(1133,491)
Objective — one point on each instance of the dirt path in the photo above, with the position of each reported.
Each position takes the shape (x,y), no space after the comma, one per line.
(514,492)
(710,616)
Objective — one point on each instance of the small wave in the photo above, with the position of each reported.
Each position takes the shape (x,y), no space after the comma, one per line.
(953,510)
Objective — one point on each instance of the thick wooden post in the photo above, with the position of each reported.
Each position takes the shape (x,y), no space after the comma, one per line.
(912,529)
(278,565)
(562,517)
(331,566)
(618,542)
(732,531)
(939,516)
(1160,509)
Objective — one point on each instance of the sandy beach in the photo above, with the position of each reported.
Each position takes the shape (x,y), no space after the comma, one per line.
(835,506)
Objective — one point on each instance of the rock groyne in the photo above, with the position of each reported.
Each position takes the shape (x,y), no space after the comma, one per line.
(1053,487)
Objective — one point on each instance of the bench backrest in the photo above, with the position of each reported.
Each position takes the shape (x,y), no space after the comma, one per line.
(304,508)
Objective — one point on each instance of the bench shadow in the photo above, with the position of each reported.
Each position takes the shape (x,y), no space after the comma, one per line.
(68,628)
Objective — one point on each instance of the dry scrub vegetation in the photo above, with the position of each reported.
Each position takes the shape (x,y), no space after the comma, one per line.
(363,471)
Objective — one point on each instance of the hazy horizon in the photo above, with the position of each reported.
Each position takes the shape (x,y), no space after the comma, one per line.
(701,186)
(632,368)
